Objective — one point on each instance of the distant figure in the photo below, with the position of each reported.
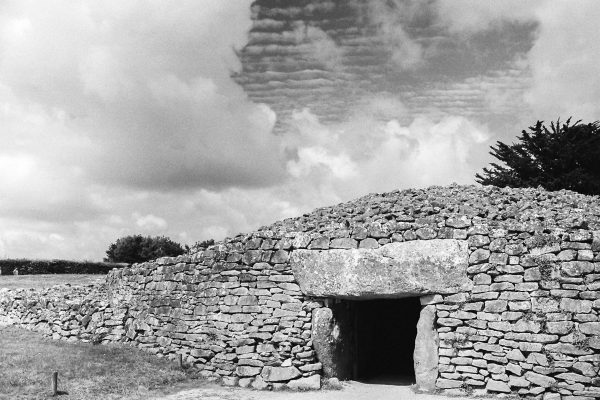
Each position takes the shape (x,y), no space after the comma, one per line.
(15,271)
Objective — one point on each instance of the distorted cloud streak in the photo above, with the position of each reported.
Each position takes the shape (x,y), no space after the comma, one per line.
(209,118)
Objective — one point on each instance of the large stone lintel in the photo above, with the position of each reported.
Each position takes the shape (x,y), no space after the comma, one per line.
(395,270)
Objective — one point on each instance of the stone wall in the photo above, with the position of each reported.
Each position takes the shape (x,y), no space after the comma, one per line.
(233,311)
(528,324)
(531,323)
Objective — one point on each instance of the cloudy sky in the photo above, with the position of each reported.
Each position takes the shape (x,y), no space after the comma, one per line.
(201,119)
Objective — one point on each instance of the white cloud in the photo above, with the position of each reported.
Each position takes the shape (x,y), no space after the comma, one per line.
(138,86)
(104,105)
(309,158)
(565,62)
(150,222)
(366,153)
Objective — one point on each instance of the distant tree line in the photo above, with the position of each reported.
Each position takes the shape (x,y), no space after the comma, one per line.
(137,248)
(36,267)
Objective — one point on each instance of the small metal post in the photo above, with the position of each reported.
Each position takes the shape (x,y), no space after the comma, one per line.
(55,383)
(180,360)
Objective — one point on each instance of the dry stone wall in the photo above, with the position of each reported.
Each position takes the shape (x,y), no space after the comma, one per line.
(233,311)
(528,325)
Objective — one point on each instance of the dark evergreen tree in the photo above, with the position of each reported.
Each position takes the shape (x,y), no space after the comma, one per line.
(137,248)
(565,156)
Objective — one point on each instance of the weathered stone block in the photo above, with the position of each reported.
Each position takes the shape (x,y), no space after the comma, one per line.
(368,243)
(590,328)
(576,268)
(559,327)
(497,386)
(495,306)
(246,371)
(518,381)
(515,355)
(573,377)
(567,348)
(319,243)
(449,321)
(280,256)
(478,240)
(519,305)
(458,222)
(479,256)
(586,369)
(426,233)
(393,270)
(509,269)
(498,258)
(576,306)
(539,379)
(514,249)
(448,383)
(259,383)
(482,279)
(343,243)
(279,374)
(312,382)
(488,347)
(426,350)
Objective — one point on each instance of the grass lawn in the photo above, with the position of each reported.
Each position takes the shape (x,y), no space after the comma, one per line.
(86,371)
(44,281)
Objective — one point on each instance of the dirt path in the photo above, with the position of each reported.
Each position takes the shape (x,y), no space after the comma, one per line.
(351,391)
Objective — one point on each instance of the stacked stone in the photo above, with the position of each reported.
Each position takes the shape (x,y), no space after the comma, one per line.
(529,325)
(234,311)
(61,312)
(479,331)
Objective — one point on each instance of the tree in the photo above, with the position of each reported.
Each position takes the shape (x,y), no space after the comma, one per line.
(563,157)
(136,248)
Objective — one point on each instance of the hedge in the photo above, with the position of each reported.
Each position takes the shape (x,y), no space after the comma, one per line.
(34,267)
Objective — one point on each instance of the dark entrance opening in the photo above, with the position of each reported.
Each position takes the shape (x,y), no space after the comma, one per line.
(385,332)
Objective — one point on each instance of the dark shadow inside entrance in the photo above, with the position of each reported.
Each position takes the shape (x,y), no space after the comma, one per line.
(385,332)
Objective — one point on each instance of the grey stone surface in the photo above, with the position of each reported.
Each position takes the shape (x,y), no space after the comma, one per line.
(312,382)
(426,350)
(539,379)
(330,339)
(279,374)
(497,386)
(393,270)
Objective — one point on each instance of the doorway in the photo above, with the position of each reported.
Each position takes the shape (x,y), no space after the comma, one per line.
(385,333)
(368,340)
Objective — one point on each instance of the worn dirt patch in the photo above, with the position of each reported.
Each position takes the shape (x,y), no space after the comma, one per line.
(351,391)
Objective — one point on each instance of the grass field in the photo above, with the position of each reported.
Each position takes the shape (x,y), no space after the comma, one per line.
(86,371)
(44,281)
